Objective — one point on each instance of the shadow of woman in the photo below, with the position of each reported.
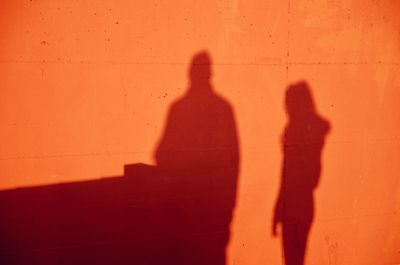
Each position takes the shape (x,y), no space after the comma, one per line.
(198,153)
(302,144)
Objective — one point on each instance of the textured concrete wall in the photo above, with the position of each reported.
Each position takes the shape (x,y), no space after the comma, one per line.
(85,87)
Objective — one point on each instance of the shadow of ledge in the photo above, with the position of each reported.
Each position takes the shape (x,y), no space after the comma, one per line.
(136,218)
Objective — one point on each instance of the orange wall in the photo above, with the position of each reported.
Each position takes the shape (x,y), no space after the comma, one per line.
(86,85)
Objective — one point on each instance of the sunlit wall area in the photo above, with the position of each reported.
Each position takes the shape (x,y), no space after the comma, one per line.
(86,88)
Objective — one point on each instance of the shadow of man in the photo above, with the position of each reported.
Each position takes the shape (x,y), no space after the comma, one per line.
(198,153)
(302,144)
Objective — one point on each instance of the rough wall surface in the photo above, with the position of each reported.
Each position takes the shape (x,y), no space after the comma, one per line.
(86,87)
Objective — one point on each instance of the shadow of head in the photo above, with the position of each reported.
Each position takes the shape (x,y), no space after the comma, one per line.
(298,101)
(200,69)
